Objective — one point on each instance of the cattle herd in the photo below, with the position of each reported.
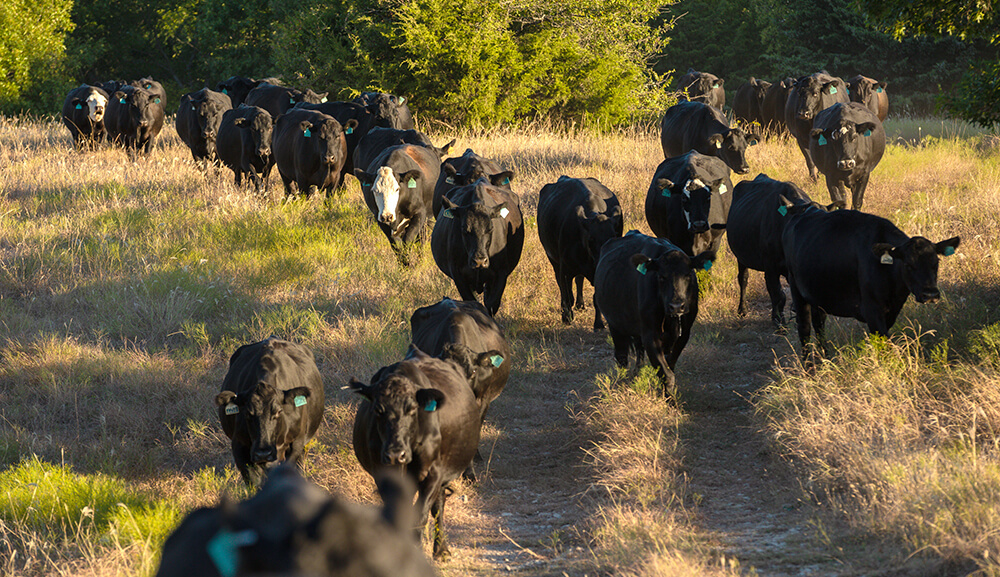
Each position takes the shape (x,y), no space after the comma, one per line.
(418,426)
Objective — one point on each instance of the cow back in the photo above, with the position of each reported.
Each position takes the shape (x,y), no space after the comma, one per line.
(756,221)
(378,139)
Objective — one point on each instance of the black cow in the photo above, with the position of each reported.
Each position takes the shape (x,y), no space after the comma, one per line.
(702,87)
(198,119)
(294,527)
(134,117)
(850,264)
(420,414)
(111,86)
(871,93)
(477,240)
(398,188)
(83,114)
(811,95)
(309,149)
(466,169)
(238,87)
(757,218)
(151,85)
(276,100)
(847,142)
(378,139)
(244,144)
(748,104)
(576,216)
(271,404)
(773,107)
(697,126)
(648,292)
(390,110)
(688,202)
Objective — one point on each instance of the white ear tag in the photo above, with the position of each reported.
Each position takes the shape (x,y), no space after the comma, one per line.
(504,212)
(232,409)
(718,145)
(450,180)
(723,189)
(886,259)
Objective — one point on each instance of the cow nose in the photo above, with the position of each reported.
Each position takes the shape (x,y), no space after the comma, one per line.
(265,455)
(481,262)
(699,226)
(848,164)
(743,170)
(676,309)
(331,159)
(395,457)
(805,114)
(930,297)
(387,217)
(143,123)
(264,151)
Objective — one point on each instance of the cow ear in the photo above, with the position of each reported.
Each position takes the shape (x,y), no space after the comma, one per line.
(664,183)
(580,213)
(947,247)
(815,132)
(430,400)
(297,396)
(716,140)
(446,149)
(461,355)
(720,82)
(491,359)
(360,388)
(119,95)
(352,124)
(240,121)
(365,178)
(305,125)
(885,252)
(703,261)
(224,398)
(410,176)
(865,128)
(643,263)
(883,85)
(414,352)
(447,203)
(502,178)
(449,169)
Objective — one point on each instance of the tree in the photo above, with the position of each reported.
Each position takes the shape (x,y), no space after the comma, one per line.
(32,54)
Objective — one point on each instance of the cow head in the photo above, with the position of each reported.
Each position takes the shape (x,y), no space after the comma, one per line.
(844,142)
(789,207)
(475,170)
(759,89)
(702,86)
(597,229)
(326,139)
(386,108)
(476,222)
(386,189)
(674,272)
(405,414)
(314,97)
(815,93)
(916,261)
(259,125)
(731,147)
(477,367)
(141,106)
(695,199)
(866,90)
(267,414)
(237,88)
(207,114)
(95,106)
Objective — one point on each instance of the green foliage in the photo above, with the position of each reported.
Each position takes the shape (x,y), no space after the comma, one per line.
(32,54)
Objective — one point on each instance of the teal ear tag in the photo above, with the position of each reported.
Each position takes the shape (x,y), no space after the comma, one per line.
(412,183)
(505,181)
(641,268)
(716,86)
(121,100)
(224,91)
(707,265)
(666,192)
(497,360)
(431,406)
(821,140)
(782,210)
(223,549)
(848,89)
(868,133)
(157,101)
(307,133)
(752,143)
(949,250)
(300,400)
(79,106)
(447,213)
(291,100)
(449,180)
(879,90)
(348,130)
(833,90)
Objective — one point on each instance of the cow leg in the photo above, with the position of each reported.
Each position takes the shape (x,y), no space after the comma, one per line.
(813,173)
(598,319)
(819,327)
(565,283)
(742,276)
(654,347)
(622,344)
(580,306)
(494,293)
(803,321)
(858,191)
(773,282)
(288,185)
(879,320)
(241,454)
(441,551)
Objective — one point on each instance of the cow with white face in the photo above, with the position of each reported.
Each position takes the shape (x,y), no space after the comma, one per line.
(83,114)
(688,202)
(398,187)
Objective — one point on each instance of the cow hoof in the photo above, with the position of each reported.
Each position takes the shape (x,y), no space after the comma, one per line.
(580,307)
(598,327)
(469,474)
(442,554)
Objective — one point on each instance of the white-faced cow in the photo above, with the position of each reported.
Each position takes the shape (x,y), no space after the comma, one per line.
(134,117)
(702,87)
(309,149)
(379,139)
(576,216)
(871,93)
(198,119)
(477,240)
(757,218)
(850,264)
(466,169)
(811,95)
(419,415)
(271,405)
(83,114)
(688,202)
(648,291)
(244,144)
(391,111)
(696,126)
(748,103)
(276,100)
(846,143)
(294,527)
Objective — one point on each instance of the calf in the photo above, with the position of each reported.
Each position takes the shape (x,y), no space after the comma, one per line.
(398,188)
(811,95)
(134,118)
(477,240)
(271,405)
(871,93)
(294,527)
(419,415)
(576,216)
(696,126)
(648,292)
(757,218)
(309,150)
(198,119)
(688,202)
(850,264)
(466,169)
(378,139)
(846,143)
(276,100)
(83,114)
(244,144)
(748,104)
(390,110)
(773,107)
(702,87)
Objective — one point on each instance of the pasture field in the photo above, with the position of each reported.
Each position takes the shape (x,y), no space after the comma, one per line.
(124,288)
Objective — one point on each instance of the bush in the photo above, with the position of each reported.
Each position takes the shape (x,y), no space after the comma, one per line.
(32,55)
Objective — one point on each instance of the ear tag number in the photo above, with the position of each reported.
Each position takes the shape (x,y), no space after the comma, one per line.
(307,133)
(641,268)
(496,360)
(300,400)
(782,210)
(868,132)
(450,180)
(348,130)
(949,250)
(505,181)
(232,409)
(431,406)
(412,183)
(723,189)
(833,90)
(821,140)
(447,213)
(886,259)
(504,212)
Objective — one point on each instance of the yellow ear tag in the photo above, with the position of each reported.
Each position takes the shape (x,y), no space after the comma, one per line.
(718,145)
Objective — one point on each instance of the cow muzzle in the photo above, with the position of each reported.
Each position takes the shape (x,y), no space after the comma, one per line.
(395,456)
(331,160)
(743,170)
(265,455)
(676,309)
(387,218)
(848,164)
(804,115)
(928,297)
(480,262)
(264,152)
(699,226)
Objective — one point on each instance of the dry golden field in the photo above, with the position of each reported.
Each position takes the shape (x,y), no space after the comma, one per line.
(124,288)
